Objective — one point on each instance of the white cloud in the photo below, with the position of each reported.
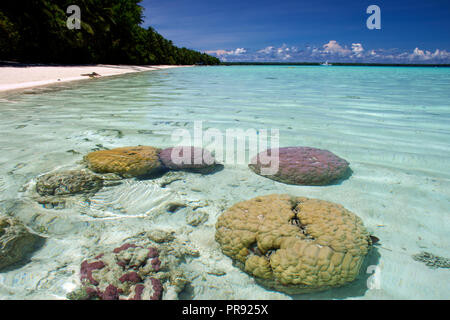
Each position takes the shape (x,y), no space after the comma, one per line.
(284,52)
(333,51)
(267,50)
(427,55)
(221,52)
(239,51)
(217,52)
(334,47)
(357,49)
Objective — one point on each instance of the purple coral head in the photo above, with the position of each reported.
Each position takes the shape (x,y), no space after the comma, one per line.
(301,165)
(87,268)
(91,293)
(110,293)
(186,157)
(124,247)
(152,252)
(138,292)
(156,263)
(157,289)
(130,277)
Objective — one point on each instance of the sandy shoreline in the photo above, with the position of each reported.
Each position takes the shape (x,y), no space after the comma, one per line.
(21,77)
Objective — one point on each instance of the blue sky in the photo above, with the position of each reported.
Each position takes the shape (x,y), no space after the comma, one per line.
(298,30)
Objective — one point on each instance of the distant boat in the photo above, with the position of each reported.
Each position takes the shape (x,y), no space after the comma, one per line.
(326,64)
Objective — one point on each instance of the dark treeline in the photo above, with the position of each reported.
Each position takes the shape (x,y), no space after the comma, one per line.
(35,31)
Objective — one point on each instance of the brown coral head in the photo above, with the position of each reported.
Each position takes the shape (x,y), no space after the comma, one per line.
(126,161)
(294,244)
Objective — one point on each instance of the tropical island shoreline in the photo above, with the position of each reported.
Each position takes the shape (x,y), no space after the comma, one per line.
(29,76)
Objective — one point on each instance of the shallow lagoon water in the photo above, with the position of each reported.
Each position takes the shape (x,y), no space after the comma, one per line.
(391,124)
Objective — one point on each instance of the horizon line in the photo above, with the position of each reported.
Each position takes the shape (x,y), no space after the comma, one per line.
(335,63)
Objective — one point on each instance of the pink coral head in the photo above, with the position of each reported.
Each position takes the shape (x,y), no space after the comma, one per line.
(302,165)
(152,252)
(87,268)
(124,247)
(131,277)
(157,289)
(186,157)
(110,293)
(138,292)
(156,263)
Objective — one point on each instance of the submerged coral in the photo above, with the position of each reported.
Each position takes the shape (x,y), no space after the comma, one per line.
(68,183)
(187,158)
(196,217)
(128,272)
(62,189)
(126,161)
(301,165)
(135,270)
(432,260)
(294,244)
(15,241)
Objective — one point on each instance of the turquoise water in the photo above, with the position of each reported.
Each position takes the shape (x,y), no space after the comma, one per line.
(391,124)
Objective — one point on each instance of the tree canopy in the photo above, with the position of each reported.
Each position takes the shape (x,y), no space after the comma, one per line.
(35,31)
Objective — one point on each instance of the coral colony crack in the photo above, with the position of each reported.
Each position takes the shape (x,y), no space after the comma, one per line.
(257,173)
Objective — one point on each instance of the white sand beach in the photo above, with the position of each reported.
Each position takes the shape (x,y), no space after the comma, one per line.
(21,77)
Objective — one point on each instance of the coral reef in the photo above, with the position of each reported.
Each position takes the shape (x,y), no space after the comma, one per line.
(135,270)
(199,159)
(62,189)
(15,241)
(68,183)
(303,165)
(128,272)
(294,244)
(196,217)
(126,161)
(432,260)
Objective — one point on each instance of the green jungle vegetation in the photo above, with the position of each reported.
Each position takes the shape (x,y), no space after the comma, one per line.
(35,31)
